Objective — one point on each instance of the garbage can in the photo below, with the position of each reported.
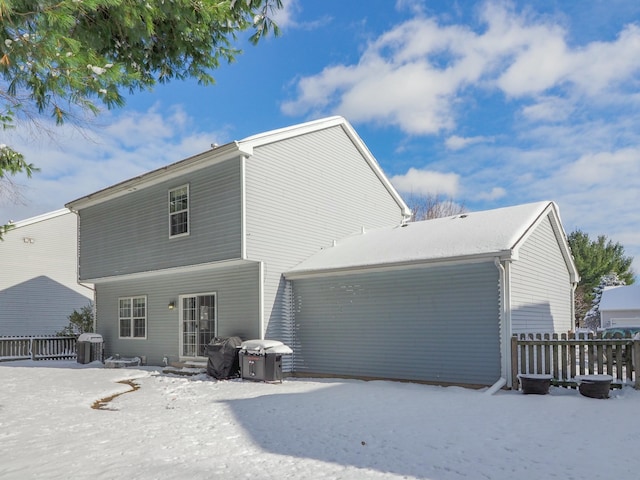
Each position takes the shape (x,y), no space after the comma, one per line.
(261,360)
(89,347)
(223,359)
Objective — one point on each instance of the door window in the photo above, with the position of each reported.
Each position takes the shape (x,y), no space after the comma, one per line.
(198,320)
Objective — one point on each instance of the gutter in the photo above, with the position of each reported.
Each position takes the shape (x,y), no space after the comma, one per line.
(398,265)
(162,174)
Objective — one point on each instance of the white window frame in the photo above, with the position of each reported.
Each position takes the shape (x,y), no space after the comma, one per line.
(185,210)
(181,321)
(132,318)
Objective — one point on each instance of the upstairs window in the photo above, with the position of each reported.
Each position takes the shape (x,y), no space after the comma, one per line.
(132,316)
(179,211)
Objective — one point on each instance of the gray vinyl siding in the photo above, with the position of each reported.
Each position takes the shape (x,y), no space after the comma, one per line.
(237,296)
(130,234)
(437,324)
(540,285)
(38,279)
(301,194)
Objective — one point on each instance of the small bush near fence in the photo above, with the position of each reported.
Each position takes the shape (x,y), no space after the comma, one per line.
(567,356)
(38,348)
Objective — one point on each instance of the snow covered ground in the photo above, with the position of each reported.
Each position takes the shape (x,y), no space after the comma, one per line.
(199,428)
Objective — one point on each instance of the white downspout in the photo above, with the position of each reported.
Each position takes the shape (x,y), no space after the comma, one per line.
(505,319)
(574,285)
(243,208)
(261,272)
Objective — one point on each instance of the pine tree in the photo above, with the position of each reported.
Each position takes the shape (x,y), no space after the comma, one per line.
(595,259)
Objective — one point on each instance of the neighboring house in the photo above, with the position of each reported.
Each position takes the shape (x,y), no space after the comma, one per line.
(39,286)
(197,249)
(620,306)
(297,235)
(436,300)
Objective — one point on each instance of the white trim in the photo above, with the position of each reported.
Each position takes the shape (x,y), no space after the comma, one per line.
(243,207)
(261,271)
(160,175)
(321,124)
(505,330)
(37,219)
(132,317)
(550,212)
(375,166)
(188,210)
(296,275)
(234,149)
(291,131)
(168,271)
(213,294)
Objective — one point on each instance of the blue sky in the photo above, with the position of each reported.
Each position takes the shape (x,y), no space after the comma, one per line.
(490,103)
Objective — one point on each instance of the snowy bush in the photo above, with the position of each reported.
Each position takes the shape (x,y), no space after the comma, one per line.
(79,322)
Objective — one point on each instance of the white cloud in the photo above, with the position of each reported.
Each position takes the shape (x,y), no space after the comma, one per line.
(454,142)
(285,16)
(288,17)
(412,75)
(495,194)
(549,109)
(414,6)
(424,182)
(604,168)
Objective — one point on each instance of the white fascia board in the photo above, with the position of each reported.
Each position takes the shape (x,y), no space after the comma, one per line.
(273,136)
(564,244)
(39,218)
(172,270)
(529,228)
(375,166)
(334,272)
(188,165)
(551,212)
(324,123)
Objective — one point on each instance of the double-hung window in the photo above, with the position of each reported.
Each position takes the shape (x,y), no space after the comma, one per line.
(132,317)
(179,211)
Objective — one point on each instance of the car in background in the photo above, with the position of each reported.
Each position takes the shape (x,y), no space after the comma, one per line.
(621,332)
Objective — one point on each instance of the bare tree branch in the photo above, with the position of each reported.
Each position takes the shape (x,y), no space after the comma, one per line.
(430,206)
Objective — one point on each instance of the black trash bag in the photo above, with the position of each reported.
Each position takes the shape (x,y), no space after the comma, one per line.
(223,361)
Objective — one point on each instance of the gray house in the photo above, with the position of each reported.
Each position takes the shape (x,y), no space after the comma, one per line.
(197,249)
(39,286)
(620,306)
(297,235)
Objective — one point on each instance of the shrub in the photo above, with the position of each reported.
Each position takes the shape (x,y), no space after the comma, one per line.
(79,322)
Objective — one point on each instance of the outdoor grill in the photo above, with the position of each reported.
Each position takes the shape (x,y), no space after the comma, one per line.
(261,360)
(222,362)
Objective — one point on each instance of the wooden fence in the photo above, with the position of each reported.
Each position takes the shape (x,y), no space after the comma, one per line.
(568,356)
(38,348)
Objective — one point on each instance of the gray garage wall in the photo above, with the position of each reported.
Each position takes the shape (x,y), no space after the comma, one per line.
(435,324)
